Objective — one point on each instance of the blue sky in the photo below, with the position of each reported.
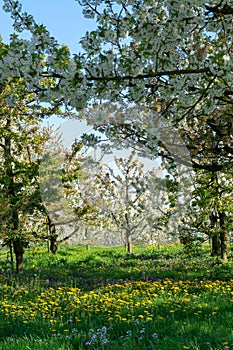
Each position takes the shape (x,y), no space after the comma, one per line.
(63,19)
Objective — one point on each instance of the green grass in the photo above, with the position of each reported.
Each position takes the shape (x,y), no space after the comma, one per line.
(106,299)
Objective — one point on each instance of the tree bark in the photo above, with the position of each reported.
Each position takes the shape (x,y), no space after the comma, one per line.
(158,241)
(215,246)
(53,244)
(215,239)
(52,235)
(224,241)
(18,245)
(11,255)
(19,251)
(129,244)
(223,237)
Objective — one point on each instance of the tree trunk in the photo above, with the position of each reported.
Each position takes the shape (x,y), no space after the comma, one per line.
(224,240)
(215,246)
(19,251)
(215,239)
(158,241)
(53,244)
(223,237)
(18,245)
(11,255)
(52,236)
(129,244)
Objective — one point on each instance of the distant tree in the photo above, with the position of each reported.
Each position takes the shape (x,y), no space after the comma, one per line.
(59,170)
(125,196)
(80,198)
(160,205)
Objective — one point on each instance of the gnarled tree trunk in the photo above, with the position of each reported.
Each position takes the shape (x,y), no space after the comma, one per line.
(52,235)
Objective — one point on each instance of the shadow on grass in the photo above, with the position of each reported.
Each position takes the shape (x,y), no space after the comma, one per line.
(77,267)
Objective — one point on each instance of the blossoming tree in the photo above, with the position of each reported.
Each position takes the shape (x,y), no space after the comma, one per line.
(153,59)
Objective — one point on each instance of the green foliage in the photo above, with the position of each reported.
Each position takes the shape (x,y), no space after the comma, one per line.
(191,242)
(22,144)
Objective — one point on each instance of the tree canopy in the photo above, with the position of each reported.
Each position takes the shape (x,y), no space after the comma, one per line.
(147,63)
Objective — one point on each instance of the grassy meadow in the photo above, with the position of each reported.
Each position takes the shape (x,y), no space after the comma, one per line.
(104,298)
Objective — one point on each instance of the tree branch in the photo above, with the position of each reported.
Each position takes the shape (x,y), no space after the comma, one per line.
(151,74)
